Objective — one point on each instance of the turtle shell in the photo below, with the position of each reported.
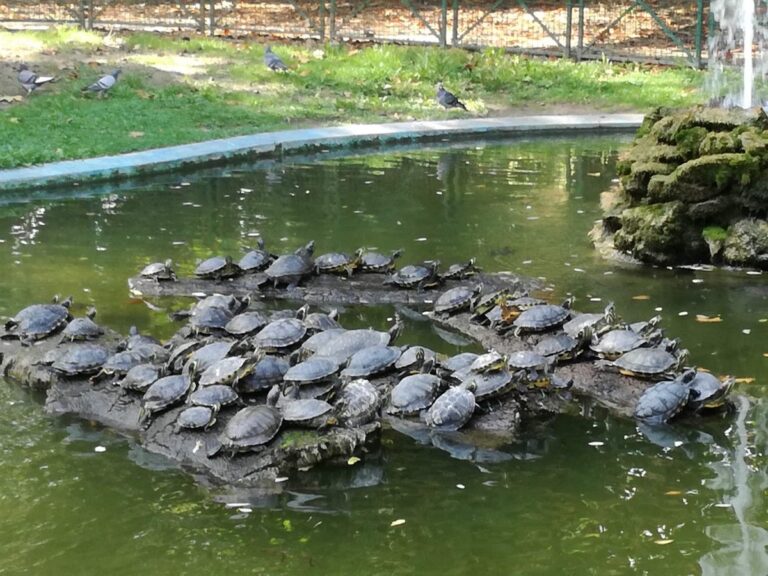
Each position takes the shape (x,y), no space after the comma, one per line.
(541,318)
(559,346)
(307,412)
(376,262)
(455,299)
(491,384)
(280,334)
(255,260)
(311,344)
(216,396)
(371,361)
(160,271)
(319,322)
(413,355)
(461,270)
(526,359)
(39,321)
(459,361)
(245,324)
(452,409)
(646,362)
(489,362)
(217,268)
(81,329)
(250,428)
(289,269)
(180,354)
(210,319)
(141,377)
(337,263)
(662,401)
(80,360)
(196,418)
(208,355)
(121,362)
(266,373)
(163,394)
(226,371)
(350,341)
(591,320)
(415,276)
(414,393)
(617,342)
(708,391)
(357,403)
(315,369)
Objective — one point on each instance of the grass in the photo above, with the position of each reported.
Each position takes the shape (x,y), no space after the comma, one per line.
(176,91)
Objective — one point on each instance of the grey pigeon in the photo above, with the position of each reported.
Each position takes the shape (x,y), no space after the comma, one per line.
(31,81)
(273,61)
(103,84)
(447,99)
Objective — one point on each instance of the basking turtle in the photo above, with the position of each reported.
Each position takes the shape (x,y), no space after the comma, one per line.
(446,368)
(120,363)
(312,371)
(338,263)
(562,347)
(646,327)
(82,328)
(527,360)
(137,339)
(708,391)
(256,260)
(38,321)
(180,353)
(245,324)
(357,403)
(159,271)
(416,276)
(141,377)
(613,344)
(599,323)
(217,396)
(544,378)
(371,361)
(231,303)
(453,408)
(290,269)
(460,271)
(648,362)
(487,302)
(318,321)
(457,299)
(196,418)
(280,335)
(414,393)
(206,356)
(343,346)
(413,359)
(266,373)
(311,344)
(493,384)
(375,262)
(302,412)
(217,268)
(210,320)
(542,318)
(164,393)
(662,401)
(228,371)
(80,360)
(249,430)
(489,362)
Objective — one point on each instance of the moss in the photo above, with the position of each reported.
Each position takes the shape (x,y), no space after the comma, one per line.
(688,140)
(298,438)
(719,143)
(747,243)
(714,233)
(709,176)
(636,182)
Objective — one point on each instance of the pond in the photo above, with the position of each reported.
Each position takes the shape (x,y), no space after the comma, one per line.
(572,495)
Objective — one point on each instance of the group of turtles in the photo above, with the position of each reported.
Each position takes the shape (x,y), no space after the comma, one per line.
(292,268)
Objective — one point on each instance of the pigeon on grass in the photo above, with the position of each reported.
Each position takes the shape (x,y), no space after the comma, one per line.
(103,84)
(447,99)
(273,61)
(31,81)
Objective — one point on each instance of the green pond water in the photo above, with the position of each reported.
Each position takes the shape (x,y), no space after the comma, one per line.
(572,495)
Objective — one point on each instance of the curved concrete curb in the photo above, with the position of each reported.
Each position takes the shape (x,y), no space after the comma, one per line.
(292,141)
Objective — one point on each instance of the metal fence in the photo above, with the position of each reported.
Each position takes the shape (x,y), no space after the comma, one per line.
(665,31)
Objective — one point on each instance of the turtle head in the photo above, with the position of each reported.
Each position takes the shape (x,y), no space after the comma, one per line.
(682,358)
(260,243)
(471,386)
(91,312)
(168,264)
(293,392)
(273,396)
(309,248)
(396,328)
(688,375)
(585,335)
(228,259)
(302,312)
(397,253)
(568,303)
(333,313)
(610,313)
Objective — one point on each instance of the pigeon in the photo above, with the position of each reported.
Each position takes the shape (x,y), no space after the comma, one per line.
(31,81)
(273,61)
(446,99)
(103,84)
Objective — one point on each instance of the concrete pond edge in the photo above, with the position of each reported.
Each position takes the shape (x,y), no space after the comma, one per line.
(275,144)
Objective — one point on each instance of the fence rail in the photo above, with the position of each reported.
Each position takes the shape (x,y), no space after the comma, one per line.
(665,31)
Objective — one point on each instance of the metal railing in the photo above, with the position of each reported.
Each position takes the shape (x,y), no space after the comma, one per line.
(664,31)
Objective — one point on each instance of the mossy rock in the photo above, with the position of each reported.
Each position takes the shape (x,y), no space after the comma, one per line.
(754,142)
(719,143)
(689,140)
(716,211)
(647,150)
(754,198)
(668,129)
(747,243)
(636,182)
(652,117)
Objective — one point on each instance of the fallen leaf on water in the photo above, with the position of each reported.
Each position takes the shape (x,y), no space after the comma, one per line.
(641,297)
(398,522)
(765,354)
(707,319)
(353,460)
(663,542)
(745,380)
(135,134)
(673,493)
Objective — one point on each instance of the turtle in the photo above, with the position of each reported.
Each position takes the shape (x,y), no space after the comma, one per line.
(311,344)
(159,271)
(542,318)
(312,371)
(453,408)
(302,412)
(616,342)
(371,361)
(290,269)
(228,370)
(562,347)
(217,396)
(80,360)
(196,418)
(413,359)
(491,361)
(164,393)
(376,262)
(229,302)
(343,346)
(266,373)
(141,377)
(120,363)
(446,368)
(209,354)
(662,401)
(338,263)
(318,321)
(708,391)
(527,360)
(180,353)
(461,270)
(249,430)
(487,302)
(544,378)
(217,268)
(39,321)
(645,327)
(600,323)
(492,384)
(650,363)
(136,338)
(256,260)
(82,328)
(357,403)
(280,335)
(457,299)
(210,320)
(245,324)
(414,393)
(416,276)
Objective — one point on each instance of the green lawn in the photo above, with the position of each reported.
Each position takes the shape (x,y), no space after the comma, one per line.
(177,91)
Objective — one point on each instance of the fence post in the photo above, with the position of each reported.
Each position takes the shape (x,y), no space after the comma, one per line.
(443,23)
(212,18)
(568,25)
(321,19)
(580,42)
(455,32)
(699,31)
(332,21)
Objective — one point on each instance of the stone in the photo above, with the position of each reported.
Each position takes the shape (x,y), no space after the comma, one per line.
(706,177)
(636,182)
(719,143)
(747,243)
